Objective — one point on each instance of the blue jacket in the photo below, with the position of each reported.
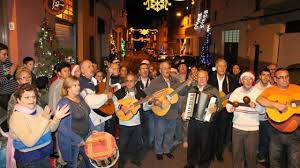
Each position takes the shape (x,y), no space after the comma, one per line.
(66,137)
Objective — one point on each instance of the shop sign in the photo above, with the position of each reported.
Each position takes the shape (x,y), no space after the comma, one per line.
(55,7)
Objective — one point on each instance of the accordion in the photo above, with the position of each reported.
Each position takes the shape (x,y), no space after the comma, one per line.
(197,106)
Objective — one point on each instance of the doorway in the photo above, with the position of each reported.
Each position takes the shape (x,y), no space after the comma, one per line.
(231,52)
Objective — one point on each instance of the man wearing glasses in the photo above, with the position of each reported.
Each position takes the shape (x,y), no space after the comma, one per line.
(282,142)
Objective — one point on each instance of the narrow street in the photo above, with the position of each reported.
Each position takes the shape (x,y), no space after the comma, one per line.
(132,62)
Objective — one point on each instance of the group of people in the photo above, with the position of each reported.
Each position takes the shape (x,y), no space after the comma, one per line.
(237,119)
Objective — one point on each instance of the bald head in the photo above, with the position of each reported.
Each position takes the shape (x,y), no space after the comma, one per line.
(202,78)
(87,69)
(115,69)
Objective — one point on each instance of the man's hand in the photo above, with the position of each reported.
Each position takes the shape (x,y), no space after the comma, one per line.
(125,109)
(183,116)
(109,95)
(230,109)
(252,104)
(280,107)
(157,103)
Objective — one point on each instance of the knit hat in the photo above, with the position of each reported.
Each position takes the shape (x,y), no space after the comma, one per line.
(73,69)
(247,74)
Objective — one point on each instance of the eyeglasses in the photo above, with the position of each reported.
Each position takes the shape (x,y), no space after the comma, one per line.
(29,97)
(25,77)
(283,77)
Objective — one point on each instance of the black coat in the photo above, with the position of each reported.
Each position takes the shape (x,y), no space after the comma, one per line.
(233,84)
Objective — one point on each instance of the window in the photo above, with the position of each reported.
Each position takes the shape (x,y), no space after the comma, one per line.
(92,6)
(231,36)
(68,14)
(257,5)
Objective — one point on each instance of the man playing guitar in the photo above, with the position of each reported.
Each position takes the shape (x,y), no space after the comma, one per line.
(165,125)
(279,140)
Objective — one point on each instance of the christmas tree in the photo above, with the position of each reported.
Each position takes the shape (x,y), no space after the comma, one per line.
(206,58)
(47,50)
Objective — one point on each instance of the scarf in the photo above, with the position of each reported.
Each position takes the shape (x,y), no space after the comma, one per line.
(10,150)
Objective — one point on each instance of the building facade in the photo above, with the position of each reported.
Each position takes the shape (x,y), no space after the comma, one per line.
(84,28)
(256,32)
(253,33)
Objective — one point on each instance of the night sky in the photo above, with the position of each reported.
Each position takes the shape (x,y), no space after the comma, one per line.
(139,17)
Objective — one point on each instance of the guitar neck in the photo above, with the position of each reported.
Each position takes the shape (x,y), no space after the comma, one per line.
(179,88)
(107,81)
(142,100)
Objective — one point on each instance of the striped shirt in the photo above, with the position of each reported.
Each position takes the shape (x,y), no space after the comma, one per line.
(7,85)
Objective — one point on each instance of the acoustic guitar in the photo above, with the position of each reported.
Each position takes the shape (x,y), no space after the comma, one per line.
(167,97)
(108,108)
(133,104)
(286,121)
(161,95)
(224,98)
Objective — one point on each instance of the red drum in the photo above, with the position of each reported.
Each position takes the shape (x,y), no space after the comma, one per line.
(102,150)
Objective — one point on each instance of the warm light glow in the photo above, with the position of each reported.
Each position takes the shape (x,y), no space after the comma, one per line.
(144,31)
(178,14)
(68,12)
(193,2)
(157,5)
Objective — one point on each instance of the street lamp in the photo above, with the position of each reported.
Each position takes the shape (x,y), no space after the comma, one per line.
(178,14)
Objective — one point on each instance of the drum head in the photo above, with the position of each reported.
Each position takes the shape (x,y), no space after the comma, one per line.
(102,149)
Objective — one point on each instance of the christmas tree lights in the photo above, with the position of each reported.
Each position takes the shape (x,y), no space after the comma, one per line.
(47,50)
(206,58)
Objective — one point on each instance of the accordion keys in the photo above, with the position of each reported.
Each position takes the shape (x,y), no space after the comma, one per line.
(197,106)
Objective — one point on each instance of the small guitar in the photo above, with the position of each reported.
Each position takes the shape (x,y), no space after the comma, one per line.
(133,104)
(224,98)
(288,120)
(167,97)
(108,108)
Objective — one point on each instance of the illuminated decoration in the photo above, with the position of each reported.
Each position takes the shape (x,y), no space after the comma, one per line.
(113,47)
(142,39)
(202,17)
(123,48)
(178,14)
(47,50)
(208,28)
(157,5)
(206,58)
(144,31)
(55,7)
(68,13)
(193,2)
(141,31)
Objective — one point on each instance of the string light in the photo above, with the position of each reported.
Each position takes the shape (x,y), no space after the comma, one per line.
(201,19)
(206,57)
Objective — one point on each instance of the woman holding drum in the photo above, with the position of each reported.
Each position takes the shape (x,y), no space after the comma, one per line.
(75,128)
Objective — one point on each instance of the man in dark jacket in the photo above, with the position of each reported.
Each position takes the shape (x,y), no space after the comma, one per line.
(225,84)
(201,133)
